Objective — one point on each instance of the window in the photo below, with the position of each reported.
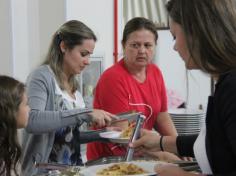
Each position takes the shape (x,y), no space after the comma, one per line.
(151,9)
(89,77)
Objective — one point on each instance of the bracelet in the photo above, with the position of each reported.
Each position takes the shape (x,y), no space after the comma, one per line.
(161,145)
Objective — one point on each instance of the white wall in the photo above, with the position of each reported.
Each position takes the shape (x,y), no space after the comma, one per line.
(98,15)
(26,27)
(175,76)
(6,62)
(20,40)
(44,18)
(51,17)
(33,34)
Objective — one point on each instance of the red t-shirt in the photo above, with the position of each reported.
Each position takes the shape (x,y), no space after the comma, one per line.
(117,91)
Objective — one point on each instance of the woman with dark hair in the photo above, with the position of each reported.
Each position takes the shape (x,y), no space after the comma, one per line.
(134,83)
(57,107)
(205,37)
(13,115)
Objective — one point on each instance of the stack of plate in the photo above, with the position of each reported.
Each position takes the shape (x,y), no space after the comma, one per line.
(187,121)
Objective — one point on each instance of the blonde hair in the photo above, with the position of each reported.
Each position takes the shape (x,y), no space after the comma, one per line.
(72,33)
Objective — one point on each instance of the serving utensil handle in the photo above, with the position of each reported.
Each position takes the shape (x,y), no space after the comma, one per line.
(136,134)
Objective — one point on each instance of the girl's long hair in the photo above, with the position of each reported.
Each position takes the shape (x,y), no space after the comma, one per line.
(11,94)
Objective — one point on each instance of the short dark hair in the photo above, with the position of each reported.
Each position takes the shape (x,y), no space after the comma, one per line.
(136,24)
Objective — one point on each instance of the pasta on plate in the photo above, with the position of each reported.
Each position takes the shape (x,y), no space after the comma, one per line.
(128,131)
(134,168)
(120,169)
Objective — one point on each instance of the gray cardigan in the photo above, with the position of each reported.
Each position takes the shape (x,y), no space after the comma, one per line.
(38,136)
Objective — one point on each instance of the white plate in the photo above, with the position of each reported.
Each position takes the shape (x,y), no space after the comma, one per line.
(183,111)
(110,134)
(146,165)
(187,115)
(114,137)
(186,123)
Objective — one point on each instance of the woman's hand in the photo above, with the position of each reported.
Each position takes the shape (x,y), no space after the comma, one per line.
(149,140)
(171,170)
(163,156)
(101,118)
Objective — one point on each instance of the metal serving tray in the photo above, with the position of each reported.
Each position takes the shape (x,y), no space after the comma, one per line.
(186,165)
(115,159)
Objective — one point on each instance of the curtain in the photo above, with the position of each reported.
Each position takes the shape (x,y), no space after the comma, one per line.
(151,9)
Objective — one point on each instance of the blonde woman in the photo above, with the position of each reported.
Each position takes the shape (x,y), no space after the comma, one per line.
(57,107)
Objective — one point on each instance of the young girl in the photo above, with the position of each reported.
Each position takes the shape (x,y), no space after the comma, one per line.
(13,115)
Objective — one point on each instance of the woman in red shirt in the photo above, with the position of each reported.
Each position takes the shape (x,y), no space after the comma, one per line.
(134,83)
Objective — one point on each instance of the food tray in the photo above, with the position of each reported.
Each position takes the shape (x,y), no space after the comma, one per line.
(115,159)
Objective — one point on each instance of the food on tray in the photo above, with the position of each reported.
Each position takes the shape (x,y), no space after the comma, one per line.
(121,169)
(128,131)
(68,172)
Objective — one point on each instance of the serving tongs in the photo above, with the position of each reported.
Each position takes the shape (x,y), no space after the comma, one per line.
(54,169)
(93,135)
(125,116)
(187,165)
(52,166)
(136,134)
(184,163)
